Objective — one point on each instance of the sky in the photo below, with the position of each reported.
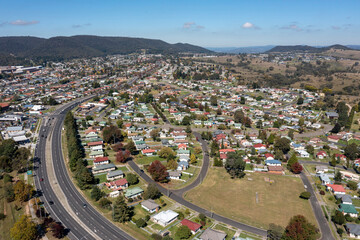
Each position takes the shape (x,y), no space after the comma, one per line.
(207,23)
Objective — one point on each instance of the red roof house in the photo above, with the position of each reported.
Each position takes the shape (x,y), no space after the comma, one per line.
(194,227)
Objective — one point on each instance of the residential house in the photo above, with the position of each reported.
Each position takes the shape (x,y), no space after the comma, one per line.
(103,168)
(321,169)
(321,155)
(345,198)
(150,205)
(273,162)
(333,138)
(111,176)
(275,169)
(165,218)
(348,209)
(210,234)
(325,180)
(101,160)
(148,152)
(353,230)
(336,188)
(133,192)
(194,227)
(120,183)
(174,175)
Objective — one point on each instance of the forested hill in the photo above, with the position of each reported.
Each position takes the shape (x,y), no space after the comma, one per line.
(59,48)
(305,48)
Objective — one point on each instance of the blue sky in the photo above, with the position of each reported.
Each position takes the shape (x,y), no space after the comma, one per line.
(207,23)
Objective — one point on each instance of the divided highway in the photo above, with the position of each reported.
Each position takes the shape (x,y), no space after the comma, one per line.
(101,227)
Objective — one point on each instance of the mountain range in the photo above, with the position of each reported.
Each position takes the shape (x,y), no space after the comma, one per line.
(59,48)
(273,49)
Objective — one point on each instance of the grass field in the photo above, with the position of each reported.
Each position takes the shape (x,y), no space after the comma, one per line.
(236,198)
(11,214)
(144,160)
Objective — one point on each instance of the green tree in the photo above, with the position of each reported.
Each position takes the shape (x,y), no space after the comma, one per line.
(271,139)
(338,177)
(186,120)
(305,195)
(105,203)
(299,229)
(279,155)
(183,232)
(293,159)
(121,212)
(131,147)
(274,232)
(282,144)
(234,165)
(132,178)
(352,185)
(140,223)
(336,128)
(351,151)
(291,133)
(120,123)
(24,229)
(84,177)
(96,193)
(300,101)
(213,100)
(333,161)
(152,192)
(338,218)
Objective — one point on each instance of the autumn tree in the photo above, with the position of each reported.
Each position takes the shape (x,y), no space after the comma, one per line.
(158,171)
(23,191)
(299,229)
(57,229)
(24,229)
(167,153)
(296,168)
(192,158)
(122,156)
(111,134)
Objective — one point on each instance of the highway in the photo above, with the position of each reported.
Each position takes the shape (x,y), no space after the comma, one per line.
(100,226)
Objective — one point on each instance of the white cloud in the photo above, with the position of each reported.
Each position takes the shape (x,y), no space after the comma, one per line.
(248,25)
(23,23)
(192,26)
(293,27)
(188,25)
(81,25)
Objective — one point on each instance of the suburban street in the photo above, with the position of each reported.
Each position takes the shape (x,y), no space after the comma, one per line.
(323,223)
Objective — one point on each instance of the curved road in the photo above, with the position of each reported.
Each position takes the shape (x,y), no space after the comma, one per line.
(101,227)
(177,195)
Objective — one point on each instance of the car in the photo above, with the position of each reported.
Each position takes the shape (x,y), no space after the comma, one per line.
(84,205)
(41,179)
(51,202)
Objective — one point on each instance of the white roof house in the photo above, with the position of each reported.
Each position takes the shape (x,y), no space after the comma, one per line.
(165,217)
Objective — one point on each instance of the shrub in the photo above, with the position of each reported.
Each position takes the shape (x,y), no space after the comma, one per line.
(340,231)
(322,192)
(140,223)
(147,217)
(2,216)
(305,195)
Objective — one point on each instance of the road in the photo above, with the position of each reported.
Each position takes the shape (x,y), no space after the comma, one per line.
(323,223)
(56,210)
(101,227)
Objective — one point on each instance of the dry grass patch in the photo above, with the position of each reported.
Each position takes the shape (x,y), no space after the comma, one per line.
(236,198)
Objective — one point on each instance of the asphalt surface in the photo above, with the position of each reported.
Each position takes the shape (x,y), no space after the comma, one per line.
(56,210)
(102,227)
(323,223)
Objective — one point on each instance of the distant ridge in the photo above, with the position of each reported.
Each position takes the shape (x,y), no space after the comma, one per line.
(237,50)
(305,48)
(59,48)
